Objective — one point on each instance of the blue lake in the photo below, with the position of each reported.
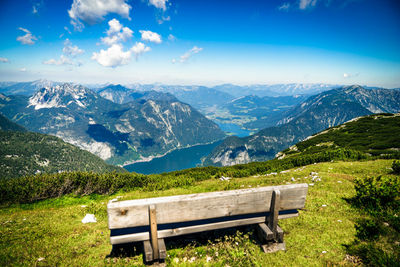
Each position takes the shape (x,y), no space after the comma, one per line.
(176,160)
(233,129)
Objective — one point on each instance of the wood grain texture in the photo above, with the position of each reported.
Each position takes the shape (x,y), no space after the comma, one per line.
(148,251)
(162,249)
(153,231)
(274,211)
(264,233)
(279,236)
(121,239)
(201,206)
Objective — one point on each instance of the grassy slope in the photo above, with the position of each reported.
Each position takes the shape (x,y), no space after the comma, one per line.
(373,134)
(52,229)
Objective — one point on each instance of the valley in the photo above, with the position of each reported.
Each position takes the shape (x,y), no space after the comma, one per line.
(151,125)
(179,159)
(136,123)
(315,114)
(142,125)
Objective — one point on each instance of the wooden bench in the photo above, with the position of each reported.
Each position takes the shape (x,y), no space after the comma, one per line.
(153,219)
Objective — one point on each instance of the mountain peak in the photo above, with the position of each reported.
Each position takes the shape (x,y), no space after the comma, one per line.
(60,96)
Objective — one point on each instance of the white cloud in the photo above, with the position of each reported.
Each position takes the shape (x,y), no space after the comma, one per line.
(62,61)
(28,38)
(139,48)
(4,60)
(66,28)
(348,75)
(71,50)
(161,4)
(163,19)
(113,57)
(67,58)
(36,6)
(171,38)
(151,36)
(188,54)
(115,26)
(305,4)
(284,7)
(116,33)
(23,70)
(93,11)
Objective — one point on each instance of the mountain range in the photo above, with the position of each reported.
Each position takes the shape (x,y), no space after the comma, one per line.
(327,109)
(24,88)
(221,103)
(149,125)
(262,90)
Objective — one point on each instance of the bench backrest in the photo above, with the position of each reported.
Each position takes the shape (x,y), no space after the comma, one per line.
(193,207)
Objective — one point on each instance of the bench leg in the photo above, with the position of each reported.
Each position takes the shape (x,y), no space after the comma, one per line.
(156,246)
(269,243)
(162,251)
(270,234)
(148,251)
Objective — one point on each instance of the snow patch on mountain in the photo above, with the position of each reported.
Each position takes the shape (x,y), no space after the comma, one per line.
(59,96)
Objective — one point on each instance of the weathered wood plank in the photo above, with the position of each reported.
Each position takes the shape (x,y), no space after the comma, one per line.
(121,239)
(204,205)
(274,211)
(153,231)
(162,249)
(264,233)
(279,235)
(148,251)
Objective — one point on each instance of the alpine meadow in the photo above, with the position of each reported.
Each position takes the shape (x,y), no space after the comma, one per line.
(200,133)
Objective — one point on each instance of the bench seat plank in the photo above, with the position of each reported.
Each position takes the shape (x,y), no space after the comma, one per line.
(142,236)
(202,206)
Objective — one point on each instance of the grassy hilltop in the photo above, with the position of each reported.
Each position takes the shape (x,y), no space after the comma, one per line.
(52,229)
(351,214)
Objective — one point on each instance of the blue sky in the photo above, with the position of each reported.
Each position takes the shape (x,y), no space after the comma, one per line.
(201,42)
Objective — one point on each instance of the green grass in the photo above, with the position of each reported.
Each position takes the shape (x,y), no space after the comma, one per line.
(370,134)
(52,229)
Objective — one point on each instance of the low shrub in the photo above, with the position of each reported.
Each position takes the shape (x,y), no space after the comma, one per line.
(43,186)
(377,192)
(372,255)
(368,229)
(396,166)
(379,199)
